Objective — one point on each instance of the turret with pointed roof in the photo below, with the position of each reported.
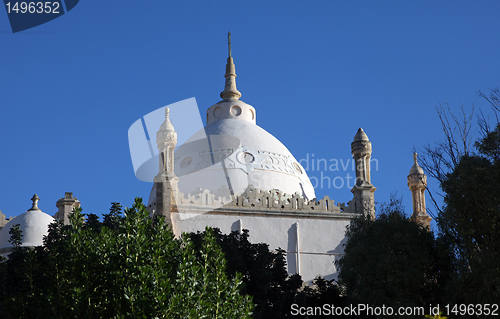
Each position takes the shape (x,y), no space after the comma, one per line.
(361,149)
(417,182)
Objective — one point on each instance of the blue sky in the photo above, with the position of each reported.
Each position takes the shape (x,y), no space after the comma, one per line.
(315,71)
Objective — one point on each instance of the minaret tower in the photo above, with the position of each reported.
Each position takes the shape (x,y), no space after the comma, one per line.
(166,180)
(361,149)
(417,182)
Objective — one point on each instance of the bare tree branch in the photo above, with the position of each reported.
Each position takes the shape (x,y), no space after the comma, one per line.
(444,156)
(494,100)
(441,158)
(431,213)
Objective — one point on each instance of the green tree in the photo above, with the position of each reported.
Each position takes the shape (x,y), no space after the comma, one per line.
(470,218)
(132,267)
(470,221)
(16,236)
(203,287)
(392,261)
(266,278)
(322,292)
(264,272)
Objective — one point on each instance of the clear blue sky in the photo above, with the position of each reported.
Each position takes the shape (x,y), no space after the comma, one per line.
(315,71)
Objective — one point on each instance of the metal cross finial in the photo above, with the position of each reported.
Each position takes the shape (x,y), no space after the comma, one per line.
(229,42)
(35,200)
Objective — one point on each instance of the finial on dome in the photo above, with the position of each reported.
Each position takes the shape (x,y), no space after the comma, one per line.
(167,124)
(35,200)
(167,114)
(229,42)
(230,92)
(416,169)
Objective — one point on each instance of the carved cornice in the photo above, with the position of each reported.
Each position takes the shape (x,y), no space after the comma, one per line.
(262,203)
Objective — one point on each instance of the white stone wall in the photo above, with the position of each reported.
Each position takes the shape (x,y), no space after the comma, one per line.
(320,240)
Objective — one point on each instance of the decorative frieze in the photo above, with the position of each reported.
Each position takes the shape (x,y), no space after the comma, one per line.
(255,199)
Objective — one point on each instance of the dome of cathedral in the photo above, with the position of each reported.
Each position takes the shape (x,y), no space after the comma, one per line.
(232,154)
(33,224)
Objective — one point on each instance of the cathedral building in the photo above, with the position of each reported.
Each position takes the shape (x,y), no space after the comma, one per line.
(234,175)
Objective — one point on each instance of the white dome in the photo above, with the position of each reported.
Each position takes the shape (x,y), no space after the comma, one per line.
(252,157)
(33,224)
(232,153)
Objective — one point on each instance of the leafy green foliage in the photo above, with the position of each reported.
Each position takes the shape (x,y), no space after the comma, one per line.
(320,293)
(127,267)
(470,222)
(264,272)
(265,276)
(391,261)
(16,236)
(130,266)
(114,217)
(489,146)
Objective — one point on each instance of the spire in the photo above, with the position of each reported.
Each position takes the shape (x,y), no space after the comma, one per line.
(166,181)
(361,150)
(35,200)
(168,124)
(230,92)
(166,140)
(360,136)
(417,182)
(364,199)
(229,44)
(416,169)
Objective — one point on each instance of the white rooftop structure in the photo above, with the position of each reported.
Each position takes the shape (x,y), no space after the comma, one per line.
(233,152)
(33,224)
(234,175)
